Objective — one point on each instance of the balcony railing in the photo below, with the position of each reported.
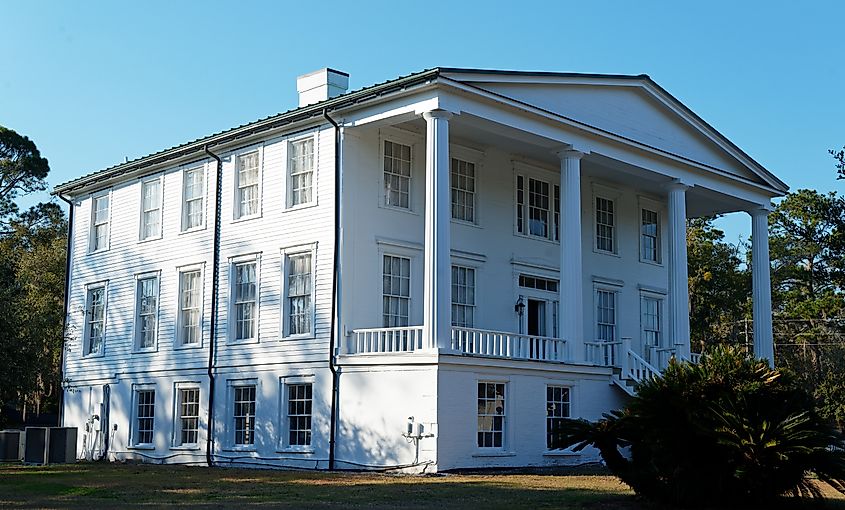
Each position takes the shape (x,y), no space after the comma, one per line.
(388,340)
(500,344)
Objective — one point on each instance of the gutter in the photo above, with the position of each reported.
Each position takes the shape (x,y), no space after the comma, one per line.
(67,307)
(215,289)
(334,329)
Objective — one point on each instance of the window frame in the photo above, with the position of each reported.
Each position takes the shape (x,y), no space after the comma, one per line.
(474,305)
(616,291)
(286,254)
(134,429)
(177,338)
(289,205)
(521,222)
(231,385)
(475,158)
(409,297)
(136,318)
(91,226)
(655,207)
(236,201)
(203,170)
(505,422)
(398,137)
(660,299)
(231,335)
(569,391)
(283,443)
(159,179)
(176,441)
(86,333)
(612,195)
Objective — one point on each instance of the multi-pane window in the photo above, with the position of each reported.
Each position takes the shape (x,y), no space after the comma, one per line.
(605,315)
(151,209)
(557,410)
(100,223)
(536,282)
(396,291)
(301,171)
(145,416)
(243,415)
(189,415)
(190,301)
(537,209)
(245,300)
(650,319)
(491,415)
(146,312)
(397,175)
(463,190)
(96,320)
(247,185)
(299,414)
(193,194)
(649,236)
(463,296)
(605,225)
(299,294)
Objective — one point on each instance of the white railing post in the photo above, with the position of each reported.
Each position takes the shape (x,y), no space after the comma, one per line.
(626,350)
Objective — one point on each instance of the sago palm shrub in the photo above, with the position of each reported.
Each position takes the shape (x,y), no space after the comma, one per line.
(729,431)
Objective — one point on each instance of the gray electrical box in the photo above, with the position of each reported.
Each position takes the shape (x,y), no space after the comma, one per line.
(10,445)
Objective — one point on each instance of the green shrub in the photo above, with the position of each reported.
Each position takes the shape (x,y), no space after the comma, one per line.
(729,431)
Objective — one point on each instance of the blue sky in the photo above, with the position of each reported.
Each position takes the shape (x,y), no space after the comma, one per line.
(92,82)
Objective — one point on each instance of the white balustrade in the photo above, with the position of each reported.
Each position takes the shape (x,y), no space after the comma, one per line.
(637,368)
(500,344)
(606,354)
(388,340)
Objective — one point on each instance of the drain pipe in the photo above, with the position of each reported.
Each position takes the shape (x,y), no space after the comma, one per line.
(215,279)
(67,308)
(334,330)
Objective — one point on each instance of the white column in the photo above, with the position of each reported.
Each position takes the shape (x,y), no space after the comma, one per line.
(678,279)
(437,298)
(571,274)
(761,285)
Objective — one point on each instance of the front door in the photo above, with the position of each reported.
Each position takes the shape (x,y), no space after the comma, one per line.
(537,317)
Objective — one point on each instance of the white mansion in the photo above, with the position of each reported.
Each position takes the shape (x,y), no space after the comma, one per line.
(424,274)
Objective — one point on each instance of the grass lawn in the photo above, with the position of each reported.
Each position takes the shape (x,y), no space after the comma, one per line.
(97,486)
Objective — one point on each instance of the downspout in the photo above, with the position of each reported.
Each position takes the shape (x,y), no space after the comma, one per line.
(215,284)
(67,308)
(334,330)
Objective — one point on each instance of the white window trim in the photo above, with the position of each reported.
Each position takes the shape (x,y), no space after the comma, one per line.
(409,250)
(660,297)
(613,195)
(132,443)
(86,339)
(574,413)
(475,157)
(405,138)
(314,135)
(93,196)
(136,348)
(202,167)
(285,318)
(474,305)
(537,173)
(230,335)
(282,445)
(507,437)
(229,442)
(606,286)
(651,205)
(175,441)
(142,182)
(177,343)
(259,149)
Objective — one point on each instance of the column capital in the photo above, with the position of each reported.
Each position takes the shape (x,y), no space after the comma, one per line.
(677,185)
(438,114)
(760,210)
(570,154)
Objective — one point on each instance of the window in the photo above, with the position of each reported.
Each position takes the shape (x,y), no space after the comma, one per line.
(151,209)
(146,312)
(189,416)
(193,195)
(396,291)
(247,177)
(100,223)
(145,416)
(397,175)
(243,415)
(605,315)
(463,190)
(301,172)
(605,221)
(537,208)
(299,294)
(650,319)
(245,301)
(190,301)
(463,296)
(491,415)
(299,414)
(536,282)
(557,410)
(95,314)
(649,236)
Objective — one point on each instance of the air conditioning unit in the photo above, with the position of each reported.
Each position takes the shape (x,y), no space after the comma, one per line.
(10,445)
(35,445)
(62,445)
